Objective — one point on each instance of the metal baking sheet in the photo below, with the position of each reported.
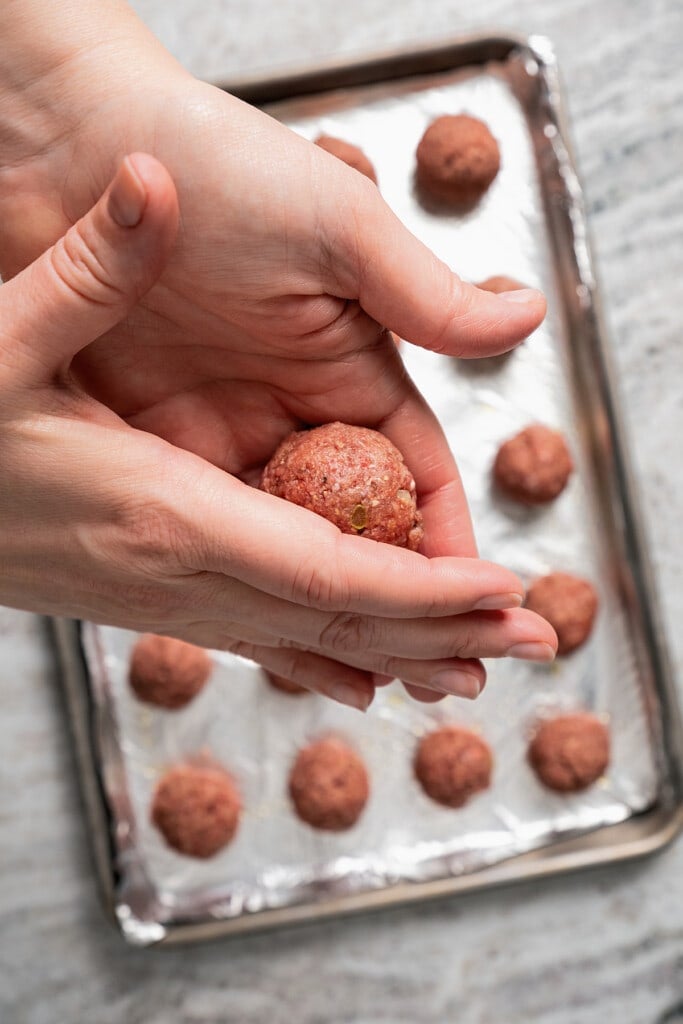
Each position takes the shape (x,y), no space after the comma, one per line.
(529,226)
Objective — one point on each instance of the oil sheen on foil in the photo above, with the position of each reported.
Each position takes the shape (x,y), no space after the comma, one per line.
(275,860)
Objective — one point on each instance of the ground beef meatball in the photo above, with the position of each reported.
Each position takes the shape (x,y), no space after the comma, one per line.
(457,159)
(166,672)
(196,809)
(452,764)
(499,283)
(349,154)
(285,685)
(329,785)
(534,466)
(569,604)
(570,752)
(352,476)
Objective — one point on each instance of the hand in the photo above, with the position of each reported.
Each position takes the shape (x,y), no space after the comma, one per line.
(267,316)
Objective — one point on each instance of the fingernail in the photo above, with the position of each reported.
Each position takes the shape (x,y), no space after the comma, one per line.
(344,693)
(460,684)
(127,197)
(532,652)
(521,295)
(498,602)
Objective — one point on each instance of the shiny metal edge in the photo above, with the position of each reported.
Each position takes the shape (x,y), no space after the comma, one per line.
(642,835)
(591,340)
(80,710)
(461,51)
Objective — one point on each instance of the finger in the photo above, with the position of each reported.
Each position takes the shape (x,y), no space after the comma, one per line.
(365,640)
(475,670)
(88,281)
(330,678)
(518,633)
(341,683)
(346,681)
(403,285)
(457,677)
(423,696)
(289,552)
(229,598)
(465,634)
(417,692)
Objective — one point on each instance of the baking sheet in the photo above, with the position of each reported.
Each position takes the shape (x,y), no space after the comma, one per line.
(275,860)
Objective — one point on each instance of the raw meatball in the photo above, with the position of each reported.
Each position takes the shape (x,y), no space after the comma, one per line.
(534,466)
(352,476)
(166,672)
(570,752)
(452,764)
(285,685)
(499,283)
(196,809)
(329,785)
(569,604)
(457,159)
(350,154)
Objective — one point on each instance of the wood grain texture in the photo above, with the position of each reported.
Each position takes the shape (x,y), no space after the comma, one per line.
(599,948)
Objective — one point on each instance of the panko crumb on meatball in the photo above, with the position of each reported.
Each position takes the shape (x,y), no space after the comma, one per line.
(534,466)
(457,159)
(452,764)
(329,785)
(196,809)
(500,283)
(352,476)
(569,603)
(167,673)
(348,154)
(285,685)
(570,752)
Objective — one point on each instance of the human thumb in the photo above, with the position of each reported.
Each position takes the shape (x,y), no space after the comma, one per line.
(401,284)
(91,277)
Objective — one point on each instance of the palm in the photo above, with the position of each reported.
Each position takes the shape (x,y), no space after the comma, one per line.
(242,338)
(253,329)
(204,384)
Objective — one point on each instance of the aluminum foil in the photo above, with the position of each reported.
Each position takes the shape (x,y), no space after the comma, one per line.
(276,861)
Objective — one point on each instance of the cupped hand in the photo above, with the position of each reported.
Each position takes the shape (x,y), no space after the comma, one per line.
(269,314)
(106,521)
(271,311)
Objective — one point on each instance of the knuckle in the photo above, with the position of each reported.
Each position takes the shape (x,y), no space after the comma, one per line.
(321,584)
(389,665)
(151,536)
(241,648)
(79,269)
(454,308)
(438,606)
(466,644)
(347,632)
(292,664)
